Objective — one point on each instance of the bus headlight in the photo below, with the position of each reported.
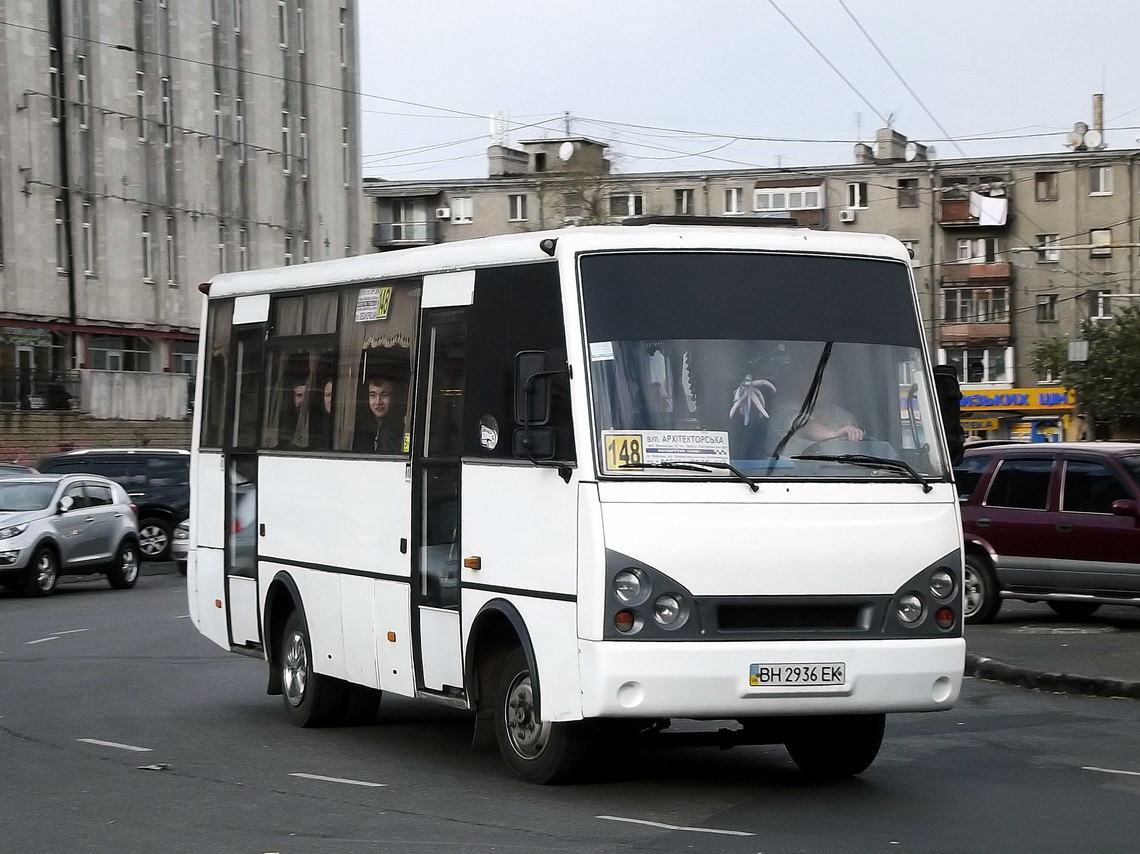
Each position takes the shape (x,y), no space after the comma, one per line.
(941,583)
(910,609)
(668,611)
(629,587)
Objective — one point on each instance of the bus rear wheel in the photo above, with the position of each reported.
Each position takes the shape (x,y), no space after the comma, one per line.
(311,699)
(535,750)
(836,746)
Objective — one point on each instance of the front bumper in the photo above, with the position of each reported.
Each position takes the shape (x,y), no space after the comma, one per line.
(14,556)
(711,680)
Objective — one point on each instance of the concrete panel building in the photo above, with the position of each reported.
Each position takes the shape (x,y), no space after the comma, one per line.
(146,145)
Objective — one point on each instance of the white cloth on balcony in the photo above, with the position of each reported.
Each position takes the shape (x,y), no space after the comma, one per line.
(988,210)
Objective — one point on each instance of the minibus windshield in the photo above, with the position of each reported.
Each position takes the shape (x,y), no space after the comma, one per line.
(781,366)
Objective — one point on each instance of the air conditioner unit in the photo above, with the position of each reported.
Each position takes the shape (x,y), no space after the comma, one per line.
(443,213)
(847,215)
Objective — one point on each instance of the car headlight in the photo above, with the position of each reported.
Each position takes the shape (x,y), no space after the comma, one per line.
(12,531)
(630,587)
(910,609)
(941,583)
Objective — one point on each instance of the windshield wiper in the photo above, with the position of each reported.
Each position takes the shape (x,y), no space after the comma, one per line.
(870,460)
(703,466)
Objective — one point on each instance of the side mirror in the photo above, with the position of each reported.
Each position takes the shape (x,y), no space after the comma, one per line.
(534,443)
(66,503)
(1125,507)
(950,406)
(532,388)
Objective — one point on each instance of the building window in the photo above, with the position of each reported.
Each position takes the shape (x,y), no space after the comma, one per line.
(1047,248)
(1100,305)
(977,250)
(1100,180)
(243,249)
(300,28)
(286,143)
(304,146)
(239,127)
(183,357)
(88,228)
(221,247)
(346,166)
(1101,241)
(462,209)
(981,365)
(237,16)
(83,94)
(517,204)
(785,199)
(343,37)
(288,250)
(307,251)
(733,200)
(171,251)
(214,12)
(218,124)
(912,249)
(857,194)
(1046,183)
(282,24)
(682,202)
(908,192)
(975,305)
(55,84)
(167,114)
(118,353)
(627,204)
(61,264)
(1046,308)
(147,271)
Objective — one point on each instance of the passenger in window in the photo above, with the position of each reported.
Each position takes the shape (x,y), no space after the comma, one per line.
(298,417)
(322,427)
(382,430)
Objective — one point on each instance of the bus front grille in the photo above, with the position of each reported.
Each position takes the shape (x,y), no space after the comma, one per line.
(753,617)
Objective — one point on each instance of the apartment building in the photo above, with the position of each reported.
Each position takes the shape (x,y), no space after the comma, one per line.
(146,145)
(1008,251)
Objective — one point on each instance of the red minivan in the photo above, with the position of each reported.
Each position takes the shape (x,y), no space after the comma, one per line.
(1051,522)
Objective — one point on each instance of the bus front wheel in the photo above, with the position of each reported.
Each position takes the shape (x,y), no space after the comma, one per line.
(311,699)
(535,750)
(836,746)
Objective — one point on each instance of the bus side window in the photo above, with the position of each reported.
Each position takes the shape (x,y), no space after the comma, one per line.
(516,308)
(299,363)
(369,389)
(215,367)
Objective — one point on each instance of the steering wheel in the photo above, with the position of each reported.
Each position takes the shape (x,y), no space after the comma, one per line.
(838,445)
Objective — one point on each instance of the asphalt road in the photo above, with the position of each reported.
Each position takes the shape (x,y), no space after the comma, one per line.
(123,730)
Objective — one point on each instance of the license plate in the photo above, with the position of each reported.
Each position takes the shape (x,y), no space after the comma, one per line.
(830,673)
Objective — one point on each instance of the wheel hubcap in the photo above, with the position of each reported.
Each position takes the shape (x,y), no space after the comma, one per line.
(129,565)
(45,572)
(294,669)
(527,732)
(152,540)
(975,591)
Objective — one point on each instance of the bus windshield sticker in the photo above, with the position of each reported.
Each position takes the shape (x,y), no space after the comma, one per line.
(623,450)
(601,351)
(373,304)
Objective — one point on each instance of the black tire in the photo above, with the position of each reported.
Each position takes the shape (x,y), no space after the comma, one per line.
(124,572)
(360,705)
(43,572)
(1074,610)
(535,750)
(983,596)
(312,700)
(155,538)
(836,746)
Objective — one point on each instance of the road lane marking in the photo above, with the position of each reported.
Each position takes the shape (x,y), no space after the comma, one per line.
(664,826)
(182,617)
(340,780)
(115,744)
(72,631)
(41,640)
(1110,771)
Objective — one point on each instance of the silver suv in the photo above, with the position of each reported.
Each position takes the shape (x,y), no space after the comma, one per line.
(53,525)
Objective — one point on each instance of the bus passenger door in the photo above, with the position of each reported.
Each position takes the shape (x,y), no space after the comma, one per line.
(435,500)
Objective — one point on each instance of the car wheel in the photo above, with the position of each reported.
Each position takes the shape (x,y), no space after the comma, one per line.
(154,539)
(311,699)
(124,572)
(836,746)
(1074,610)
(43,572)
(536,750)
(983,598)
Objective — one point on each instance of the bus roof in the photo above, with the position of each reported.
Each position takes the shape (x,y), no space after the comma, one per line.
(525,248)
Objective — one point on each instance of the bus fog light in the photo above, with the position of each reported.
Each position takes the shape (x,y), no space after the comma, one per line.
(628,586)
(625,621)
(910,609)
(945,618)
(941,584)
(667,610)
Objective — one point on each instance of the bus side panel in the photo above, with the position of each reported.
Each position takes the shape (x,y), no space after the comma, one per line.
(343,514)
(321,599)
(591,563)
(522,522)
(206,581)
(358,630)
(209,499)
(392,610)
(551,626)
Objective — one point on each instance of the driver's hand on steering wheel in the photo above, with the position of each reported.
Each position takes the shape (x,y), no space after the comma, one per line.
(849,432)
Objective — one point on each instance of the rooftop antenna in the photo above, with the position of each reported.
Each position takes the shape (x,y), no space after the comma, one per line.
(566,119)
(499,128)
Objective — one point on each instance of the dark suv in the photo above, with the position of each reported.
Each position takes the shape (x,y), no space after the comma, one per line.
(1053,522)
(157,480)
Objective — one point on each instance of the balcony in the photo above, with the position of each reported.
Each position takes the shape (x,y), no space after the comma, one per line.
(995,272)
(996,331)
(955,213)
(397,235)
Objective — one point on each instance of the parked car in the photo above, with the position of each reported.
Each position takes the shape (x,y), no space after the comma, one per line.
(53,525)
(157,480)
(1051,522)
(14,470)
(180,544)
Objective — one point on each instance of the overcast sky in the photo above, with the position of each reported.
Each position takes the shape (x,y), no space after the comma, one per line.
(663,80)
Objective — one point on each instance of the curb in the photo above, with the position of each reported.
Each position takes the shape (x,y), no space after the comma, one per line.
(1064,683)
